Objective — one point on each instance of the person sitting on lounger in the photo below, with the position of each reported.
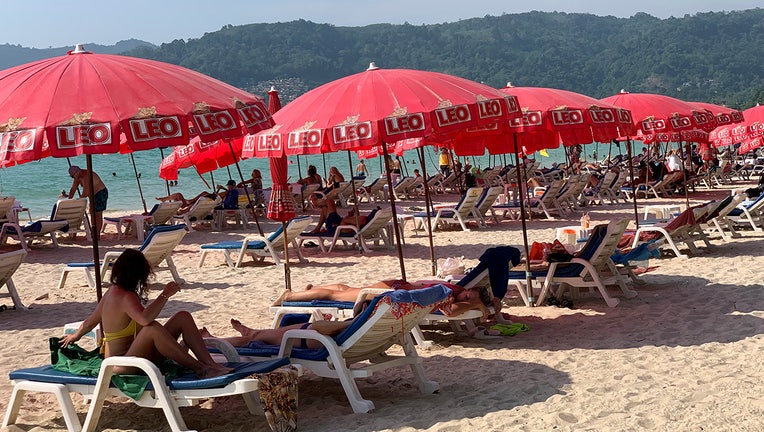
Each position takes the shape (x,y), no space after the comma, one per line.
(273,336)
(464,299)
(129,324)
(329,219)
(186,204)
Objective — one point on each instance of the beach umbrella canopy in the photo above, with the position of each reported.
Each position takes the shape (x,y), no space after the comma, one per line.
(552,117)
(660,118)
(81,103)
(749,132)
(202,156)
(378,106)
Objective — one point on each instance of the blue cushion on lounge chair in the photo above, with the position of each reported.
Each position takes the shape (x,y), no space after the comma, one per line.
(241,370)
(41,225)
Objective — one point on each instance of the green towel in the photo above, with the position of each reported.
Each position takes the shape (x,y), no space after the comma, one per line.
(78,361)
(510,329)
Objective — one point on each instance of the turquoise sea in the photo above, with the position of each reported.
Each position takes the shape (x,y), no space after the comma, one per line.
(38,184)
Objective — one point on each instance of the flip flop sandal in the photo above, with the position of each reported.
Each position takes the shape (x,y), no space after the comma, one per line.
(481,332)
(3,308)
(565,303)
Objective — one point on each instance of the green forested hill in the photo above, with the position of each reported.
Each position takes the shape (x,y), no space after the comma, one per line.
(712,57)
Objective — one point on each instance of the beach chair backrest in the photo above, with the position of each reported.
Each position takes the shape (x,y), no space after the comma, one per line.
(73,210)
(9,263)
(377,222)
(164,211)
(468,201)
(387,319)
(487,198)
(293,228)
(6,204)
(202,208)
(161,241)
(609,243)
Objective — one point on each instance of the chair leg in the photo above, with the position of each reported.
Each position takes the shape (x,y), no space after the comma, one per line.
(171,265)
(59,390)
(425,386)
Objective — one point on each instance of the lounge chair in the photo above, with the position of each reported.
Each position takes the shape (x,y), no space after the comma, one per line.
(8,217)
(68,216)
(200,212)
(9,263)
(462,213)
(486,201)
(157,247)
(166,394)
(302,199)
(718,221)
(402,188)
(546,203)
(374,230)
(259,247)
(386,321)
(677,230)
(160,214)
(374,192)
(748,212)
(592,267)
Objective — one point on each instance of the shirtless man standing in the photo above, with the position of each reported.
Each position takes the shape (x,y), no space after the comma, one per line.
(100,193)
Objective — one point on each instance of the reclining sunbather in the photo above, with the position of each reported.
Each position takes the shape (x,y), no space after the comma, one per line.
(464,299)
(273,336)
(130,329)
(186,204)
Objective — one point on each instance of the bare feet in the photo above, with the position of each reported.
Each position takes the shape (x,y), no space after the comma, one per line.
(205,333)
(241,328)
(282,298)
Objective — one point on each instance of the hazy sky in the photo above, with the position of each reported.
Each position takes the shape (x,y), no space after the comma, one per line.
(46,23)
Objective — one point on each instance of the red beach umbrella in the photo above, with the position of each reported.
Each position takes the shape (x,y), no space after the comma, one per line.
(660,118)
(748,132)
(82,102)
(552,117)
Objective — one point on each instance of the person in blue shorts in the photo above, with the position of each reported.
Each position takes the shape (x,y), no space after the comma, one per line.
(100,196)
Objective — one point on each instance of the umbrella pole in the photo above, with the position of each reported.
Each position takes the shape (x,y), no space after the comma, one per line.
(395,213)
(684,177)
(427,203)
(246,190)
(631,176)
(214,187)
(166,183)
(138,180)
(528,280)
(287,271)
(299,176)
(355,200)
(94,233)
(323,161)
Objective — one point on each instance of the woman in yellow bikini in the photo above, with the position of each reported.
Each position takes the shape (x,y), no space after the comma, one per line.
(130,329)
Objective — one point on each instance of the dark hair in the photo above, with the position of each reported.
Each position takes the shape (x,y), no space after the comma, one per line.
(312,170)
(131,272)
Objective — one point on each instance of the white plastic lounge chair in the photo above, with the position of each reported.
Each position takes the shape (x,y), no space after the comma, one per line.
(546,203)
(68,216)
(157,247)
(374,230)
(748,212)
(591,268)
(9,263)
(677,230)
(360,350)
(486,201)
(302,199)
(374,192)
(718,222)
(462,213)
(160,214)
(168,395)
(402,189)
(200,212)
(259,247)
(8,217)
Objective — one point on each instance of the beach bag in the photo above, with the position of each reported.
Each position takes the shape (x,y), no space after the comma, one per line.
(450,266)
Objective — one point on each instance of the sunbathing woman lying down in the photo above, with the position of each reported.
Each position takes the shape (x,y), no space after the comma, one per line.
(464,299)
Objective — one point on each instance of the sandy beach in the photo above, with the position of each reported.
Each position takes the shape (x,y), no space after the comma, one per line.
(684,355)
